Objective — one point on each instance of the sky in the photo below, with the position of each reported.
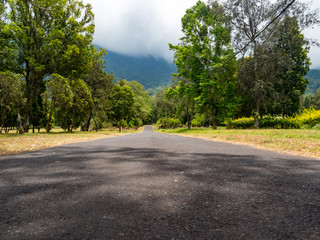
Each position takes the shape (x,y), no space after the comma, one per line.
(145,27)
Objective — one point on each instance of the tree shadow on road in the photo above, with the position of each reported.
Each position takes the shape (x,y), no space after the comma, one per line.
(145,193)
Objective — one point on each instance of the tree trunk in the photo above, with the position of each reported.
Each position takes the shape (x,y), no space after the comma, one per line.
(2,119)
(214,124)
(256,87)
(257,114)
(214,117)
(50,116)
(189,118)
(73,119)
(19,125)
(95,122)
(86,125)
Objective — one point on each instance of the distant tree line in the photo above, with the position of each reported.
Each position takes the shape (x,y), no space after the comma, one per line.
(240,59)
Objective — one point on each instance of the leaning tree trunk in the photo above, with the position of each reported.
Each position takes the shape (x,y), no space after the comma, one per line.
(86,125)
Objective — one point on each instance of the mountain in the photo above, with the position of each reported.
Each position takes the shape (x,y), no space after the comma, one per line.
(314,81)
(153,72)
(149,71)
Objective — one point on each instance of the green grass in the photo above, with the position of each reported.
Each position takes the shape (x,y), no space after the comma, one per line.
(303,142)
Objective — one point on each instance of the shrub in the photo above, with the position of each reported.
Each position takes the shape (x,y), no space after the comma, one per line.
(241,123)
(310,117)
(277,123)
(135,123)
(122,123)
(198,120)
(168,123)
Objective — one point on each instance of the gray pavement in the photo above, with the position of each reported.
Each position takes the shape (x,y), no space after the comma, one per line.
(158,186)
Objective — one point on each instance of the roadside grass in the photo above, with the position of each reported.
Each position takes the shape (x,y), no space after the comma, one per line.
(302,142)
(12,143)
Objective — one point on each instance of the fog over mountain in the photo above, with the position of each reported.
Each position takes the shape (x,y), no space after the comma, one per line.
(144,27)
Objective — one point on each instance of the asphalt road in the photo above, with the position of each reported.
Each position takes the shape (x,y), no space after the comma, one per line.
(157,186)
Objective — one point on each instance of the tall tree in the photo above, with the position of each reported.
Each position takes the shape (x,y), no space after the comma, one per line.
(291,64)
(7,51)
(248,18)
(183,94)
(122,103)
(71,118)
(10,96)
(100,84)
(142,104)
(201,59)
(50,36)
(255,24)
(58,95)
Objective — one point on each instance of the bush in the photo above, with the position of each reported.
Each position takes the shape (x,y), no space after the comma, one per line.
(276,123)
(135,123)
(309,117)
(168,123)
(122,123)
(198,121)
(241,123)
(279,123)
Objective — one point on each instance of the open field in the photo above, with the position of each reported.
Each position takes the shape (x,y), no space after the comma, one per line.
(13,143)
(300,142)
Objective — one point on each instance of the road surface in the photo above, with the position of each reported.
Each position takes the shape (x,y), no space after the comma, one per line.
(158,186)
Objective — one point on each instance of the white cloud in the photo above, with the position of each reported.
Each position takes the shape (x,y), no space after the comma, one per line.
(139,27)
(145,27)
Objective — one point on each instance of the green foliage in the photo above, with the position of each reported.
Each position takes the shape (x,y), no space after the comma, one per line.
(201,57)
(198,121)
(122,99)
(142,103)
(49,37)
(292,63)
(309,117)
(162,106)
(10,96)
(168,123)
(122,123)
(81,103)
(135,123)
(241,123)
(100,84)
(58,95)
(274,123)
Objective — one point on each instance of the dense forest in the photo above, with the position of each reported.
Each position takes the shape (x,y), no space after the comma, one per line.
(156,73)
(314,81)
(240,59)
(151,72)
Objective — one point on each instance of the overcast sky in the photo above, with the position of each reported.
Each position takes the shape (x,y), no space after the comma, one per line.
(145,27)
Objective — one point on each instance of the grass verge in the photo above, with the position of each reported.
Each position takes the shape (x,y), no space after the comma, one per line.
(302,142)
(12,143)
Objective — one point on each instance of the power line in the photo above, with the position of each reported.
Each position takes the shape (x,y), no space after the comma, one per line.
(257,35)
